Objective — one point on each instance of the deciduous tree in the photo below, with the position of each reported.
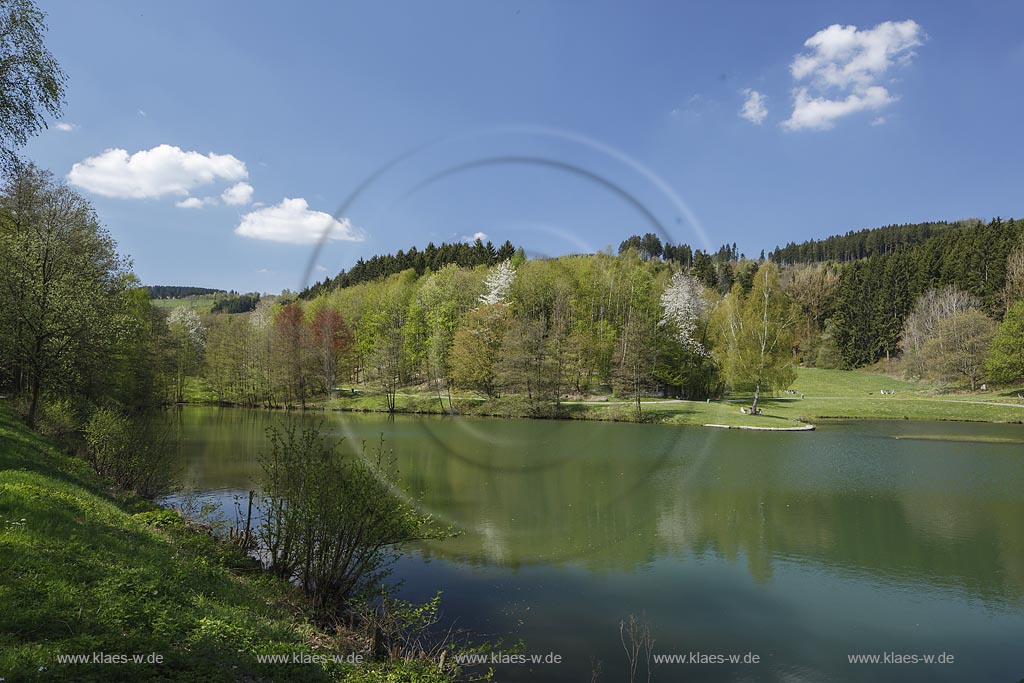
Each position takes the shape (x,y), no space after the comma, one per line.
(756,335)
(188,338)
(60,285)
(1005,362)
(477,346)
(31,80)
(333,339)
(959,347)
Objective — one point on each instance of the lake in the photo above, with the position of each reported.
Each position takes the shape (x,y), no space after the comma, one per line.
(797,548)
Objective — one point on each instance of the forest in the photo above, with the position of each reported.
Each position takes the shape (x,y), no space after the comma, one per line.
(176,292)
(641,322)
(432,257)
(469,319)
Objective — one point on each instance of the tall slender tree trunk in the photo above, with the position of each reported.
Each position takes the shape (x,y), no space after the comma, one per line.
(34,404)
(437,387)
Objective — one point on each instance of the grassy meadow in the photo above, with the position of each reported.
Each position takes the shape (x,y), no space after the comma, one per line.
(200,304)
(821,394)
(85,572)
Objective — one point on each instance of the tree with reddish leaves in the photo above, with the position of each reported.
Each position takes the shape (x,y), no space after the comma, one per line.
(295,353)
(333,340)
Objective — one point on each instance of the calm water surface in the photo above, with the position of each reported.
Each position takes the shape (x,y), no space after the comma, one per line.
(800,548)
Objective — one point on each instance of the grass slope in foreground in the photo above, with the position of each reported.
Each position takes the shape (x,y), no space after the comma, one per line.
(83,572)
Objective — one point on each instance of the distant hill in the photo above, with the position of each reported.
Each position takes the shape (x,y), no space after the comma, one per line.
(433,257)
(179,292)
(858,244)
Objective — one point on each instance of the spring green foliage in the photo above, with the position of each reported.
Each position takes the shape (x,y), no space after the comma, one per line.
(31,80)
(756,334)
(187,339)
(73,320)
(136,455)
(535,334)
(1005,362)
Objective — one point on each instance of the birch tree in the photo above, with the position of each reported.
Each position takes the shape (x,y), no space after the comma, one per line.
(757,334)
(922,324)
(959,347)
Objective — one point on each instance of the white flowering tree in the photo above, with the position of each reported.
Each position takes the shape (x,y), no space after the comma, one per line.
(682,306)
(498,283)
(189,338)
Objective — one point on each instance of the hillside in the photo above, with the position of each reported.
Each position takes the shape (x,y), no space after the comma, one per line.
(85,573)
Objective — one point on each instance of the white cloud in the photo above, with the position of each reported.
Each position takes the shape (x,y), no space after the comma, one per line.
(293,222)
(482,236)
(238,194)
(154,172)
(319,268)
(821,113)
(878,121)
(842,68)
(66,127)
(754,109)
(195,202)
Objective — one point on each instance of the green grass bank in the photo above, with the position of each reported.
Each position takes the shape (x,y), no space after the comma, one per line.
(84,571)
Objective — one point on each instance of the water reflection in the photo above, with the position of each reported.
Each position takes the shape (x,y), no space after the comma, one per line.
(803,545)
(613,497)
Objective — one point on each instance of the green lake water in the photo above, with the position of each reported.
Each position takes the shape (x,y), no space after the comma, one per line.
(799,548)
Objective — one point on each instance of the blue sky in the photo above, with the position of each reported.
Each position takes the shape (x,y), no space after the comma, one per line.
(752,123)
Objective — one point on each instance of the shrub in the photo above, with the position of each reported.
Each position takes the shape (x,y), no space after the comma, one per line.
(331,522)
(59,420)
(132,452)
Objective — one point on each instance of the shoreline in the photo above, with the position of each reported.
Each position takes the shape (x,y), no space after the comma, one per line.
(806,428)
(587,411)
